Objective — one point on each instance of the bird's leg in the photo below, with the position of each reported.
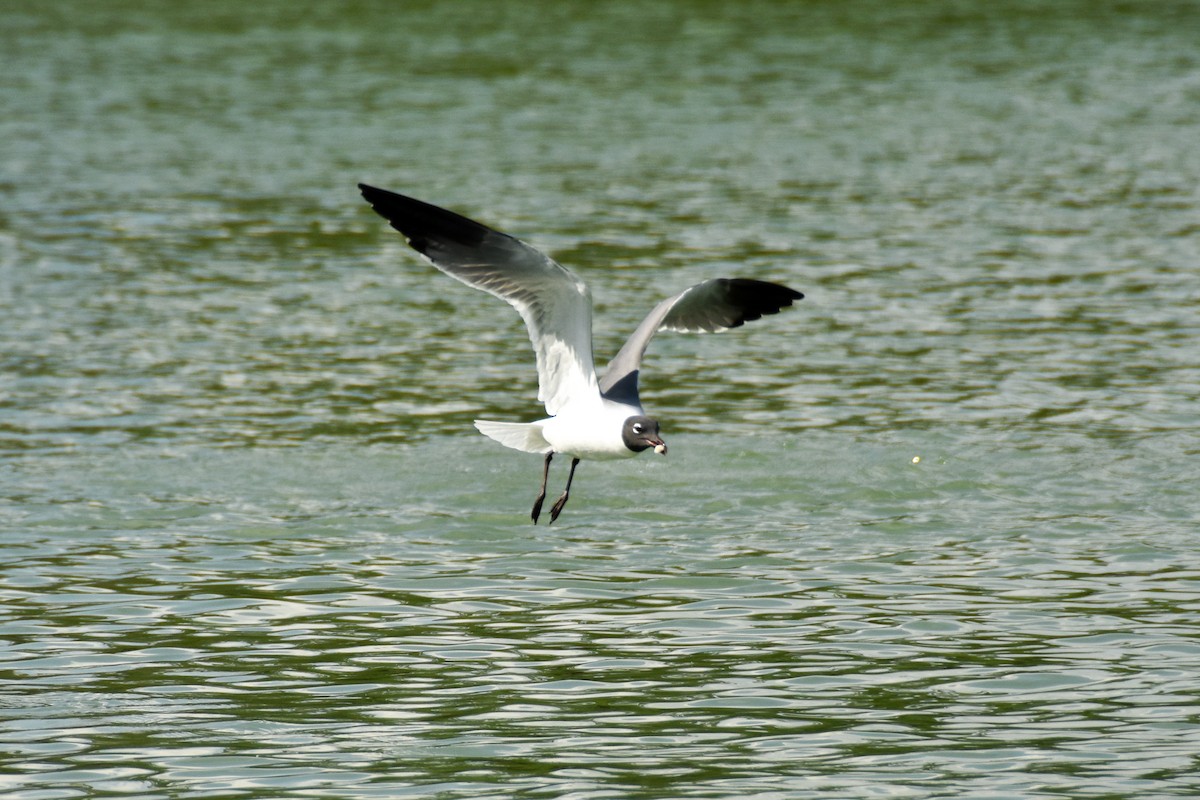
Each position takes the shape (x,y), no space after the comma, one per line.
(557,508)
(537,504)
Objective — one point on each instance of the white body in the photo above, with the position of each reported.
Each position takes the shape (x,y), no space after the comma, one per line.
(589,429)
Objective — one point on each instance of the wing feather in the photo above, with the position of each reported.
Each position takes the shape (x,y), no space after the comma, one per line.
(712,306)
(555,304)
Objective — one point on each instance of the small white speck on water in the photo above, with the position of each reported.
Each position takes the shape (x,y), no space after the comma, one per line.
(916,459)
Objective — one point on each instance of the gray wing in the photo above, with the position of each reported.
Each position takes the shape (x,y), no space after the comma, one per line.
(555,304)
(712,306)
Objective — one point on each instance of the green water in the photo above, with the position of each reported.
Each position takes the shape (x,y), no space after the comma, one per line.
(933,533)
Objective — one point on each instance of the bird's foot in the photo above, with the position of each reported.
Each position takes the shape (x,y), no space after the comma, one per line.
(557,508)
(537,508)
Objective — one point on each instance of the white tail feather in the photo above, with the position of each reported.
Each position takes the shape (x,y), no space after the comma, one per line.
(526,436)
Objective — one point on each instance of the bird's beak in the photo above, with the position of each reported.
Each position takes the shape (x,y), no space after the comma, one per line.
(660,447)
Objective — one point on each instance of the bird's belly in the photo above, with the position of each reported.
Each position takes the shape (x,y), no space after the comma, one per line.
(594,437)
(597,454)
(589,447)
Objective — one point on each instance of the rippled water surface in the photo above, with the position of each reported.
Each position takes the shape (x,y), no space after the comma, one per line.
(933,533)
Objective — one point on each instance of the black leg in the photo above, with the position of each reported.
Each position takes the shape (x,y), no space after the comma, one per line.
(557,508)
(537,504)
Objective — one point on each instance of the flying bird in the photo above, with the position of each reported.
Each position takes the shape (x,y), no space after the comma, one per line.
(590,416)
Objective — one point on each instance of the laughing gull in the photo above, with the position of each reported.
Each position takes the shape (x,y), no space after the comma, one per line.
(590,416)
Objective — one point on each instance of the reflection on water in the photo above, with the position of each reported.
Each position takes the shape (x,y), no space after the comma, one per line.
(252,547)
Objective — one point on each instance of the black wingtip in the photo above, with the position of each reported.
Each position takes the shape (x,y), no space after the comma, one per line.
(376,196)
(755,299)
(422,222)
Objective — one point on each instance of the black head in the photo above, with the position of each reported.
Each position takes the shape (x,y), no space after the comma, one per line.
(641,433)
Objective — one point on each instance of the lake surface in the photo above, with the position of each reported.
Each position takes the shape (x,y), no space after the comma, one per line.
(932,533)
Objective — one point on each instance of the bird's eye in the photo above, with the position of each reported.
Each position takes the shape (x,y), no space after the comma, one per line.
(637,427)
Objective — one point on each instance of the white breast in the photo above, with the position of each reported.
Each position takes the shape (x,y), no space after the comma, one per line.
(591,430)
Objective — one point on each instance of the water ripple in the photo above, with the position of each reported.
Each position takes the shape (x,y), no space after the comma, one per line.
(608,658)
(931,533)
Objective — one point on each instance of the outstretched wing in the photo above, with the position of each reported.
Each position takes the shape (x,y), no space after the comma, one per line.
(715,305)
(555,304)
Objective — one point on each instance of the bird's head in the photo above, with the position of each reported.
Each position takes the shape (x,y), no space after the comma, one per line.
(641,433)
